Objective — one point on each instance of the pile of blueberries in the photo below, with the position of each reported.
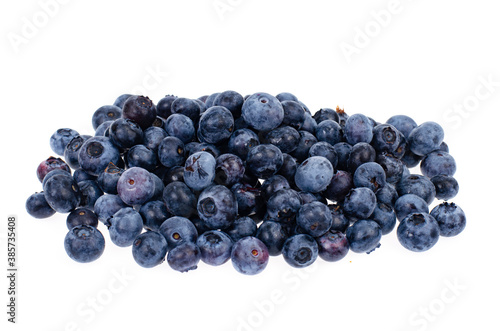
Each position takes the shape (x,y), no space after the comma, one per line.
(226,177)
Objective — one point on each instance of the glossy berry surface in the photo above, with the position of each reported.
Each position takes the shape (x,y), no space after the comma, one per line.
(249,256)
(450,218)
(215,247)
(149,249)
(364,236)
(418,232)
(38,207)
(300,250)
(84,243)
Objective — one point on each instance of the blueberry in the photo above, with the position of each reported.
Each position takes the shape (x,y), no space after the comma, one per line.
(288,168)
(178,230)
(358,129)
(294,114)
(106,206)
(84,243)
(62,193)
(343,151)
(450,218)
(231,100)
(339,186)
(411,159)
(370,175)
(184,257)
(159,187)
(81,216)
(180,126)
(209,101)
(90,192)
(403,124)
(71,150)
(105,114)
(80,175)
(418,185)
(60,139)
(360,202)
(108,179)
(241,227)
(385,217)
(249,256)
(364,236)
(164,106)
(272,185)
(408,204)
(135,186)
(262,111)
(199,170)
(283,205)
(418,232)
(426,138)
(307,197)
(216,125)
(284,96)
(179,199)
(360,153)
(215,247)
(444,147)
(314,174)
(329,131)
(139,109)
(171,152)
(248,198)
(149,249)
(217,207)
(314,218)
(241,141)
(438,163)
(300,250)
(153,214)
(285,138)
(325,114)
(387,195)
(120,101)
(307,140)
(229,169)
(386,138)
(339,221)
(446,186)
(125,133)
(153,136)
(187,107)
(96,153)
(38,207)
(141,156)
(325,149)
(103,129)
(393,167)
(309,124)
(50,165)
(273,235)
(342,117)
(333,246)
(174,174)
(264,160)
(125,226)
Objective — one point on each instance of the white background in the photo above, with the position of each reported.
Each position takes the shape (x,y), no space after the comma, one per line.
(423,59)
